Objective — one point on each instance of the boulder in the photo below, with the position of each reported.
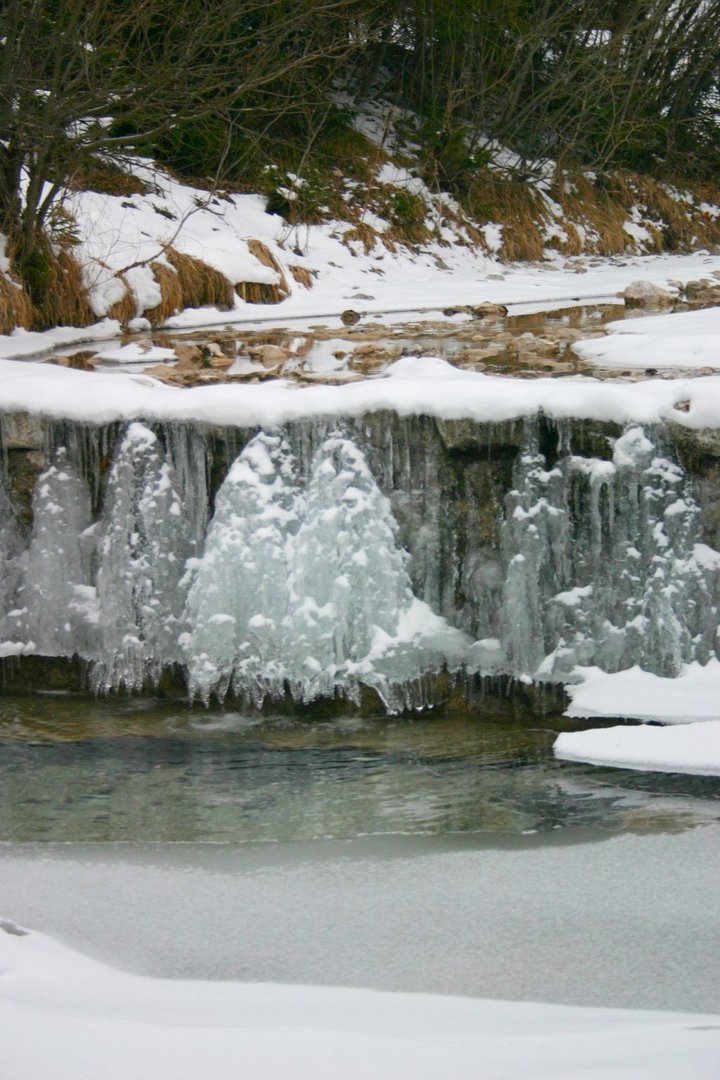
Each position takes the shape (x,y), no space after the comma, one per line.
(644,294)
(189,358)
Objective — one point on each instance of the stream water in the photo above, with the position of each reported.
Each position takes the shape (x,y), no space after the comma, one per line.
(446,854)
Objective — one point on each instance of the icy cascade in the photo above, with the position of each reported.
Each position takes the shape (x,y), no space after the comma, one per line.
(353,617)
(307,589)
(12,562)
(55,613)
(145,541)
(603,563)
(238,600)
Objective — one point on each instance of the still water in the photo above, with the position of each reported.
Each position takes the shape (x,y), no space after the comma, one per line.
(437,854)
(73,769)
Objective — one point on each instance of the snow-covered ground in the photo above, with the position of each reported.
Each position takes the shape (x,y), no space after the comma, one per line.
(67,1016)
(689,339)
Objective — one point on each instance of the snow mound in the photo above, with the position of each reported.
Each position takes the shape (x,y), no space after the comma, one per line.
(66,1016)
(639,695)
(688,339)
(692,748)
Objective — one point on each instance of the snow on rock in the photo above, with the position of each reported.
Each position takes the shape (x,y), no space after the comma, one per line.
(688,339)
(692,748)
(411,386)
(67,1016)
(636,694)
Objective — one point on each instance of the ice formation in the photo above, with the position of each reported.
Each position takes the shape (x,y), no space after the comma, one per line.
(353,617)
(145,541)
(55,612)
(337,560)
(237,604)
(603,563)
(306,589)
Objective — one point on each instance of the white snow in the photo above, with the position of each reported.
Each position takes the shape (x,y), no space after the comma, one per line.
(688,339)
(410,386)
(639,695)
(136,353)
(67,1016)
(692,748)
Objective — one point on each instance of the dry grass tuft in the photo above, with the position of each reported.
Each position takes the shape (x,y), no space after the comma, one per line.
(259,292)
(62,300)
(364,234)
(15,306)
(303,276)
(125,309)
(264,255)
(107,178)
(200,284)
(514,205)
(596,210)
(172,294)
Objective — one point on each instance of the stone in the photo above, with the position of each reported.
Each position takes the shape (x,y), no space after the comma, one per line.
(211,348)
(643,294)
(221,362)
(485,310)
(189,357)
(699,442)
(270,356)
(22,431)
(465,435)
(166,374)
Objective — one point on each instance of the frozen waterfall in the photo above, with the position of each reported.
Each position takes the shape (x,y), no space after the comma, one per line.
(372,556)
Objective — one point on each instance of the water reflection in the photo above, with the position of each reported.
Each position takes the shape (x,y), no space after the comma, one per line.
(79,770)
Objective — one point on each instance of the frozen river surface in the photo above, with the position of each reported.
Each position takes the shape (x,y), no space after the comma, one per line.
(450,856)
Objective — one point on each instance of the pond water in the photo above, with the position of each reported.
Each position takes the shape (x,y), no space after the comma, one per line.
(448,854)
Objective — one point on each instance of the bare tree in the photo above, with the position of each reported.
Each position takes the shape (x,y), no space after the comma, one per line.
(80,78)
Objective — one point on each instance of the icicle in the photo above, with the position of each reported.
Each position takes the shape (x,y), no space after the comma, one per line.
(144,544)
(239,594)
(353,617)
(56,604)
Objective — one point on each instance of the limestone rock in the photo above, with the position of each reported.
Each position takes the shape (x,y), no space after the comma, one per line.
(643,294)
(189,358)
(22,431)
(486,310)
(270,356)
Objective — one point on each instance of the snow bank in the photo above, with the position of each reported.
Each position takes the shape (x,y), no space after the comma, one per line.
(692,748)
(688,339)
(411,386)
(68,1016)
(638,695)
